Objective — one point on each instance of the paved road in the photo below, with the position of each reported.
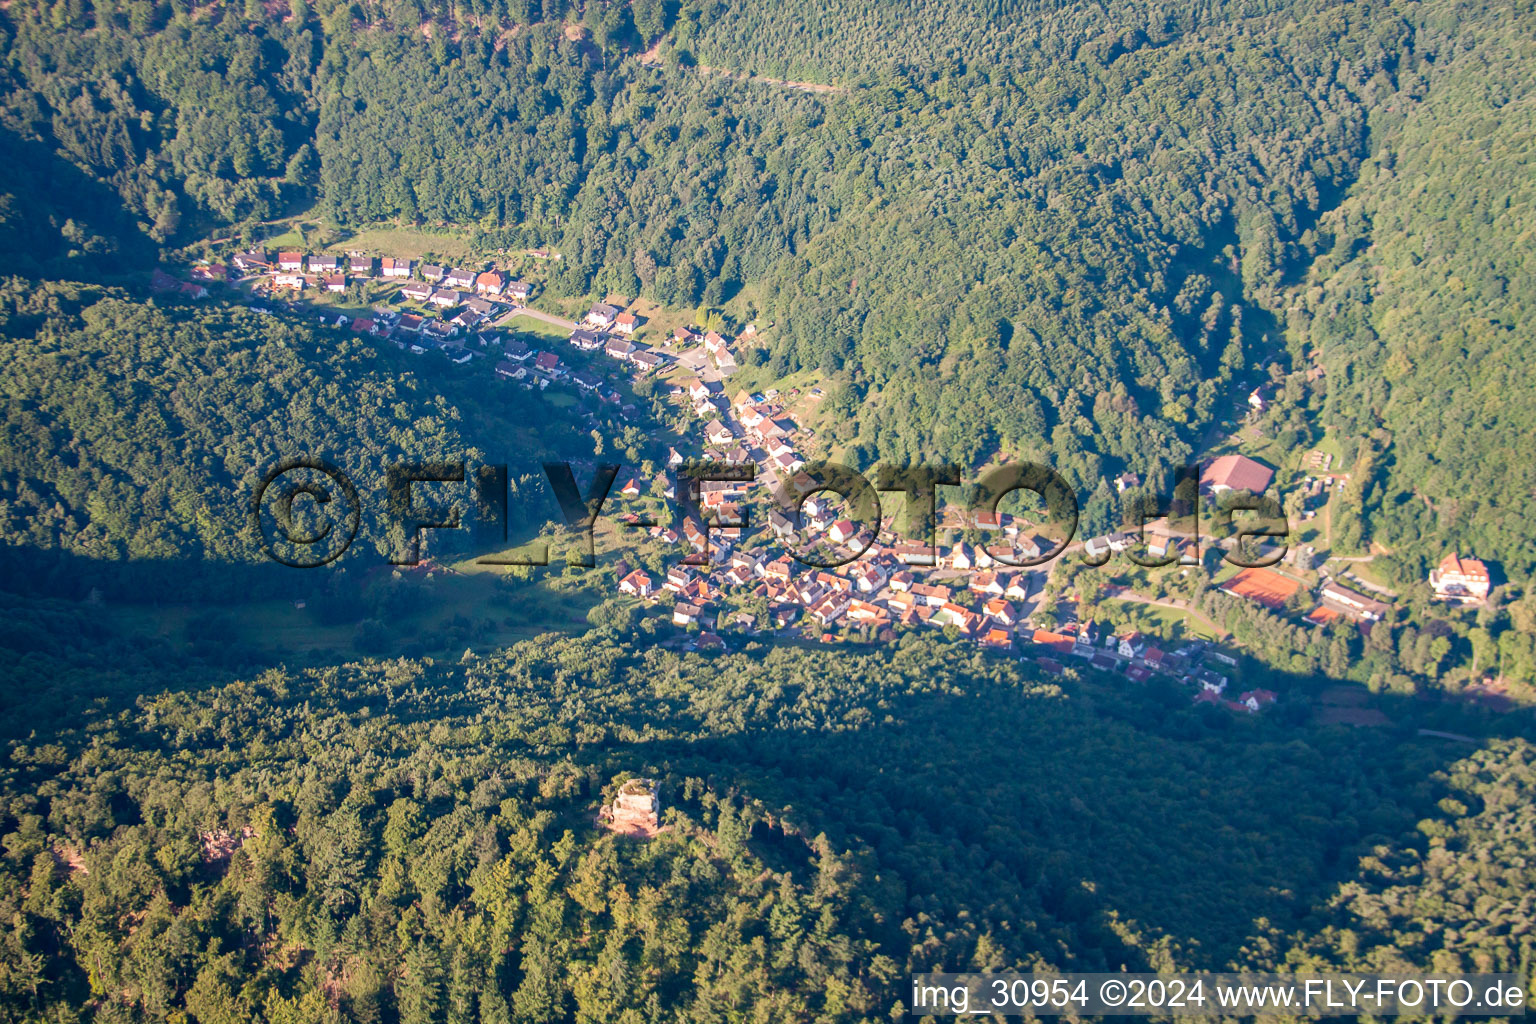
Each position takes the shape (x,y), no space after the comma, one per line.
(548,318)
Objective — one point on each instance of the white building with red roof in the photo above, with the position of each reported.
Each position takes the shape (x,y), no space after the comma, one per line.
(1464,580)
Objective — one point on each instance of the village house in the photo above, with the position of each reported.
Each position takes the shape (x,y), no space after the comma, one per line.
(998,639)
(550,364)
(518,291)
(961,556)
(324,264)
(1462,580)
(843,531)
(290,261)
(411,323)
(294,281)
(586,341)
(335,284)
(646,360)
(1235,473)
(988,584)
(679,579)
(416,292)
(718,433)
(1128,646)
(489,283)
(625,323)
(636,584)
(684,336)
(254,261)
(602,316)
(864,612)
(1254,700)
(933,595)
(1058,642)
(444,298)
(618,348)
(460,279)
(394,269)
(869,577)
(510,370)
(781,569)
(1001,611)
(466,318)
(1351,603)
(1126,482)
(685,614)
(830,610)
(360,266)
(432,273)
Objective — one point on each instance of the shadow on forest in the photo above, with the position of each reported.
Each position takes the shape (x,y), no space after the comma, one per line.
(1116,799)
(64,223)
(1132,806)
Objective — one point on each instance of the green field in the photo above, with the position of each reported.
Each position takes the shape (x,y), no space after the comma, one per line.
(537,328)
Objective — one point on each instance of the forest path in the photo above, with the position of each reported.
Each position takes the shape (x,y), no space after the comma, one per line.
(652,58)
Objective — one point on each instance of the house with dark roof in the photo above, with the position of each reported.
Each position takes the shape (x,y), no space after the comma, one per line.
(602,315)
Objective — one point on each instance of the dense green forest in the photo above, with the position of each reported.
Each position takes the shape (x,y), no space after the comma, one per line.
(415,841)
(1020,228)
(1072,232)
(135,436)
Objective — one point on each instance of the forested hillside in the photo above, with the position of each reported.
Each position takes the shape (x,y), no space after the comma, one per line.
(414,841)
(1033,229)
(1421,308)
(135,434)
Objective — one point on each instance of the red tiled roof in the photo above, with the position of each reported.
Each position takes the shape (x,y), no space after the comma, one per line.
(1239,473)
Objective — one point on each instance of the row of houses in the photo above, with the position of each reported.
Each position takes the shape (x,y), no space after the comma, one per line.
(289,268)
(619,347)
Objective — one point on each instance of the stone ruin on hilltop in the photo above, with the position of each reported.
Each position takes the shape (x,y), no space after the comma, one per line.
(635,811)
